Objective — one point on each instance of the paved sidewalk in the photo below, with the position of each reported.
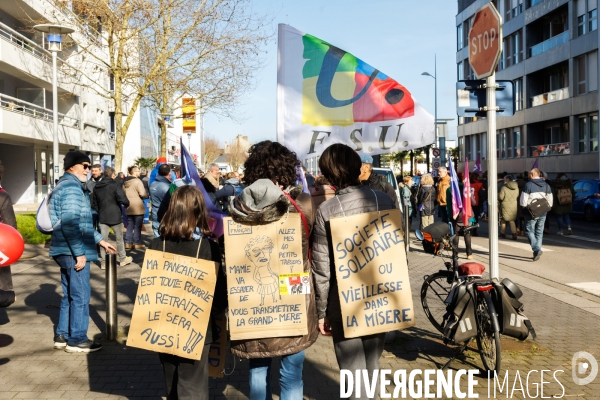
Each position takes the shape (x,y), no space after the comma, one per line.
(30,368)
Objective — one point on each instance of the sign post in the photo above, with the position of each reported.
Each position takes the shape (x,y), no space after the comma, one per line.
(485,47)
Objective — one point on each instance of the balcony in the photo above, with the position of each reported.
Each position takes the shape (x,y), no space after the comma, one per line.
(34,111)
(550,149)
(549,44)
(31,48)
(545,98)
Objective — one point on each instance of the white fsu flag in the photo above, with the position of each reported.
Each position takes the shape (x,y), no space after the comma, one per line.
(326,95)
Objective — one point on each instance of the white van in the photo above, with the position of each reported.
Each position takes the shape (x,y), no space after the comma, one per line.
(391,178)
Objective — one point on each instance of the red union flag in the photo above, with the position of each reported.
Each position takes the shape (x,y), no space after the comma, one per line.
(485,41)
(326,95)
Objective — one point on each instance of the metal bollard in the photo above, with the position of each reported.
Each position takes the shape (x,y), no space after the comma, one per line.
(407,225)
(112,325)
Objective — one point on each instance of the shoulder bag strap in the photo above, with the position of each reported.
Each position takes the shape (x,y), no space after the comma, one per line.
(304,221)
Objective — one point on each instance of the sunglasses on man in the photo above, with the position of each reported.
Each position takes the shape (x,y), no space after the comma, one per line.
(86,166)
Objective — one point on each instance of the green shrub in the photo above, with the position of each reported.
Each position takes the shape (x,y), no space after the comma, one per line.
(27,229)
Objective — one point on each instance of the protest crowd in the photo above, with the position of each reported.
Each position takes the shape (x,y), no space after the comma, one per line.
(187,213)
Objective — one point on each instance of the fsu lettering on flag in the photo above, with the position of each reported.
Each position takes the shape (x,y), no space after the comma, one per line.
(326,95)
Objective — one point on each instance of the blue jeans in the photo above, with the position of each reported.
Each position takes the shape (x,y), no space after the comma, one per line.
(74,315)
(134,229)
(290,382)
(155,226)
(563,218)
(534,230)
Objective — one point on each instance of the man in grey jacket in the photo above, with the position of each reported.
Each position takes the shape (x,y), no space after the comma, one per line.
(536,188)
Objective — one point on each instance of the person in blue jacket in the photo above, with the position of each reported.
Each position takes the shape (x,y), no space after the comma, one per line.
(159,188)
(73,246)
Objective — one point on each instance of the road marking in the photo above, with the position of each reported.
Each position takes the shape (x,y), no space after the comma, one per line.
(582,238)
(590,287)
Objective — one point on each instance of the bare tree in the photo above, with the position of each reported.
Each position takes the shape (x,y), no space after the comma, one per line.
(212,150)
(237,155)
(148,47)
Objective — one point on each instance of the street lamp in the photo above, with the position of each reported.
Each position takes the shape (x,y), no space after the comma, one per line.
(54,38)
(442,140)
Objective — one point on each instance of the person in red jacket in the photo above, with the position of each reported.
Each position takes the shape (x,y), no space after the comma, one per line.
(477,199)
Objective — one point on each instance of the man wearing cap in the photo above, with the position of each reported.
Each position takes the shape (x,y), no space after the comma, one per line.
(376,182)
(73,246)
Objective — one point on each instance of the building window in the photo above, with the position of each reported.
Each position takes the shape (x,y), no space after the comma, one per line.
(586,76)
(460,71)
(512,8)
(515,149)
(518,94)
(468,148)
(466,27)
(111,82)
(587,132)
(111,121)
(513,50)
(461,147)
(501,144)
(587,16)
(459,37)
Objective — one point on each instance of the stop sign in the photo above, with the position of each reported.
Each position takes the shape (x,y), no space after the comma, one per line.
(485,41)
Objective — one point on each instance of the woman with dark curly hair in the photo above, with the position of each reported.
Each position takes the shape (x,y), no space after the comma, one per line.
(270,173)
(273,161)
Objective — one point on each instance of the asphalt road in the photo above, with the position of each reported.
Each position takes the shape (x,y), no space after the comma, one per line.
(570,262)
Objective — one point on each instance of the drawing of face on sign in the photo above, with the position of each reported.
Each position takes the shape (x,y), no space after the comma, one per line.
(258,251)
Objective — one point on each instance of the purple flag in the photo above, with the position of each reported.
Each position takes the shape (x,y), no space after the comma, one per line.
(477,167)
(535,164)
(456,195)
(302,179)
(190,175)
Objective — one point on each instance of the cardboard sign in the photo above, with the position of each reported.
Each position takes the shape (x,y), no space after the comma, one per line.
(172,304)
(256,256)
(218,347)
(372,273)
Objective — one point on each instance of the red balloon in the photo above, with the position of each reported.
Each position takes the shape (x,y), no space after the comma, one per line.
(11,245)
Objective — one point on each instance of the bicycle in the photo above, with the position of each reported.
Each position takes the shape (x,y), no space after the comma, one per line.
(435,293)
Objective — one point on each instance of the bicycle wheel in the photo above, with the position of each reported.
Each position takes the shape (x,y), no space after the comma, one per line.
(488,341)
(434,291)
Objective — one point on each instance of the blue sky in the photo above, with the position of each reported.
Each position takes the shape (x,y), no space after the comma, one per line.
(398,37)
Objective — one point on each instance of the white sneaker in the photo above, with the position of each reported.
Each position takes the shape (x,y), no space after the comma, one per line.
(560,233)
(126,260)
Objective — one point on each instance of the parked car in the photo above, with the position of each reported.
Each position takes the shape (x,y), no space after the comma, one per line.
(391,178)
(587,198)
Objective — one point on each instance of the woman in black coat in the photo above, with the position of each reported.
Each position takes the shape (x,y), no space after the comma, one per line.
(184,230)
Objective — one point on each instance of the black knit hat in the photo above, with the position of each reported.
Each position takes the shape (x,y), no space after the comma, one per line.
(73,158)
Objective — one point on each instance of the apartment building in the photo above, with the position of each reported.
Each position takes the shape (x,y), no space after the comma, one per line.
(550,52)
(86,118)
(26,131)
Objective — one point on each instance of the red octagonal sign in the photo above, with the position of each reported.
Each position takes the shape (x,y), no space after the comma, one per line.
(485,41)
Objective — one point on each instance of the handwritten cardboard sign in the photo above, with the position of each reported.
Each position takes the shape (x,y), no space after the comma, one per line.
(172,304)
(372,273)
(256,256)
